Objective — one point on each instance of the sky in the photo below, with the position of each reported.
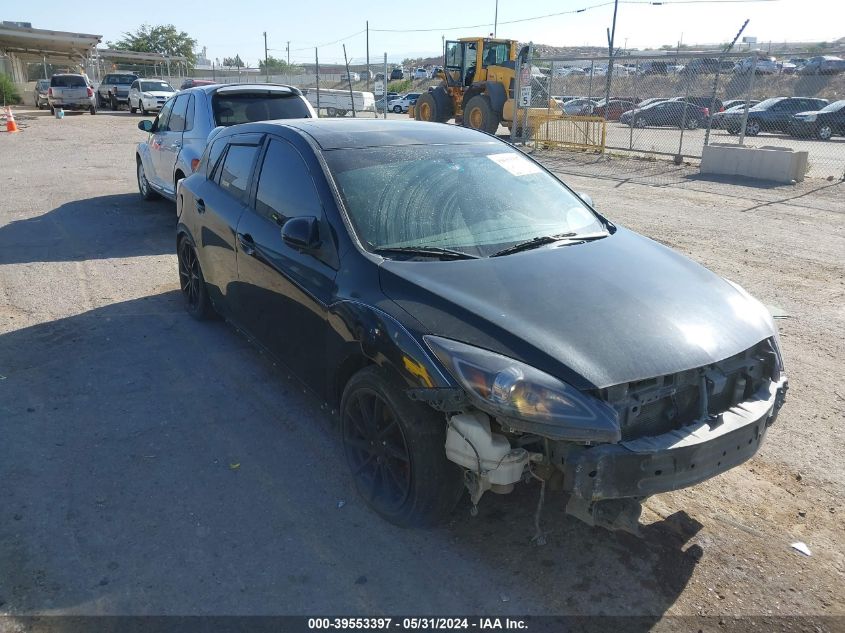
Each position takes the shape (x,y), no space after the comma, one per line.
(228,28)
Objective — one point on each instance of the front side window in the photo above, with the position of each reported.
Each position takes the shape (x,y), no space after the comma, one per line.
(177,117)
(474,198)
(496,54)
(285,186)
(161,123)
(236,169)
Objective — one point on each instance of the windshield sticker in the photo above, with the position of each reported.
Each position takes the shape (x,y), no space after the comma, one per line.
(515,164)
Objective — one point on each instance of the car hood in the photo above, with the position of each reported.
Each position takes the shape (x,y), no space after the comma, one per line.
(595,314)
(158,93)
(807,112)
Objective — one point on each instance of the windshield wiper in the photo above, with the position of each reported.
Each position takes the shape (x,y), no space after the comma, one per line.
(430,251)
(542,240)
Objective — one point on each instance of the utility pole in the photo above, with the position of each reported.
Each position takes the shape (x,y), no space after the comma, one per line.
(368,55)
(349,81)
(266,66)
(287,50)
(611,34)
(317,69)
(496,19)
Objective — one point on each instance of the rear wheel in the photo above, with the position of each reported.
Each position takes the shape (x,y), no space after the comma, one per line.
(395,449)
(479,115)
(752,128)
(331,112)
(824,132)
(192,282)
(132,109)
(692,124)
(639,122)
(92,110)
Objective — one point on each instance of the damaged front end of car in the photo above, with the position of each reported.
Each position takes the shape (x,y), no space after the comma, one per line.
(608,448)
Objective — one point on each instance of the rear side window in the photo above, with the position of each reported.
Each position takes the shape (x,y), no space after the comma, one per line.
(68,81)
(232,109)
(285,187)
(214,154)
(189,116)
(236,169)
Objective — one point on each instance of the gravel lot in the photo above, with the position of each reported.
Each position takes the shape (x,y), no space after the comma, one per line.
(154,465)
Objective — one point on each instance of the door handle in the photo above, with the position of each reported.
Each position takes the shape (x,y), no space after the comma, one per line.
(177,144)
(247,243)
(200,205)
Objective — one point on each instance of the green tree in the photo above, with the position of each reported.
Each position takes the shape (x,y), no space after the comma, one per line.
(233,62)
(278,66)
(8,90)
(164,39)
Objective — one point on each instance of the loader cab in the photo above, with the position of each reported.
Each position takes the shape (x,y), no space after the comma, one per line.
(467,60)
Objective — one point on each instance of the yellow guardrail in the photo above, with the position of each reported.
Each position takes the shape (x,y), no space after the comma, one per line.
(575,132)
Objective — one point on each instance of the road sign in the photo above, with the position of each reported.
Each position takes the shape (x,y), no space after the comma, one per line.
(378,87)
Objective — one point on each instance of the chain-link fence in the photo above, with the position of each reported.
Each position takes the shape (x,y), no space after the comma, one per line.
(668,107)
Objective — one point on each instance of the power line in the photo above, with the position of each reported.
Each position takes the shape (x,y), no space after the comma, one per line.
(337,41)
(570,12)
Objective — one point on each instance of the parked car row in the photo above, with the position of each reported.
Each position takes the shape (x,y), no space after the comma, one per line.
(764,65)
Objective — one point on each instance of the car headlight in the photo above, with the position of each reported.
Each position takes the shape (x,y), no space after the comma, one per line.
(810,118)
(531,399)
(146,95)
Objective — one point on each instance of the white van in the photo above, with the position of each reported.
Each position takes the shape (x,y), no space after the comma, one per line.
(339,102)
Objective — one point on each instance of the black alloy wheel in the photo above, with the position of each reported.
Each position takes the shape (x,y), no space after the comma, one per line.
(192,282)
(376,451)
(395,450)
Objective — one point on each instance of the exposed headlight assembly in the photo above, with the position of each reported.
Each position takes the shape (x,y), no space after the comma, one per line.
(528,398)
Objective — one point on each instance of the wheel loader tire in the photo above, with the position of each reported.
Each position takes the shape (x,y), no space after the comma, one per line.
(426,108)
(479,115)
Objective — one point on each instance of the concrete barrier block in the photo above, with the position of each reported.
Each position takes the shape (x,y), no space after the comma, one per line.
(771,163)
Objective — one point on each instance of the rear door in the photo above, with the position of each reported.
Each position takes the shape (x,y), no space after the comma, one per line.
(220,200)
(156,143)
(284,293)
(170,140)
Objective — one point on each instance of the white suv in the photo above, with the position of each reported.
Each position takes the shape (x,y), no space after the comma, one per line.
(149,95)
(178,135)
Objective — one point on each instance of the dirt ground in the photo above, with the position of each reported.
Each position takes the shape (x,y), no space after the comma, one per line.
(151,465)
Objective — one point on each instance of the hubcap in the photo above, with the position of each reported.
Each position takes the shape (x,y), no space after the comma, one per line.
(376,450)
(425,111)
(476,118)
(189,274)
(825,132)
(753,128)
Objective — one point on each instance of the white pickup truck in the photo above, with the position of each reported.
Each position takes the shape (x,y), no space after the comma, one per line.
(339,102)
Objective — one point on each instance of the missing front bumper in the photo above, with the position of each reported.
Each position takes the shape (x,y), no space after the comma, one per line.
(680,458)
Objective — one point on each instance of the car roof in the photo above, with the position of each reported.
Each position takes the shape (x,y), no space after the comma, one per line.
(332,134)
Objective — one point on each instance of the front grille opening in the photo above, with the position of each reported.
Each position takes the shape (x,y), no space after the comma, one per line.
(664,403)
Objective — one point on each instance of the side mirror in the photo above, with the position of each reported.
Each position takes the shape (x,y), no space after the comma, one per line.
(302,233)
(586,198)
(145,126)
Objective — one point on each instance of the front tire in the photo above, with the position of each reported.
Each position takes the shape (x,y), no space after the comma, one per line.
(144,187)
(479,115)
(639,122)
(192,282)
(92,110)
(397,109)
(132,109)
(824,132)
(113,103)
(692,124)
(395,449)
(752,128)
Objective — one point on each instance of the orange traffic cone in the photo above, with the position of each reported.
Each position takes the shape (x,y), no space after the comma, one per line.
(11,125)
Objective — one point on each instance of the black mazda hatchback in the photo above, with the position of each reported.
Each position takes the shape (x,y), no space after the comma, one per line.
(474,322)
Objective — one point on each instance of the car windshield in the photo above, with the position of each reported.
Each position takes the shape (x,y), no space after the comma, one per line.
(156,86)
(834,107)
(122,79)
(247,107)
(474,198)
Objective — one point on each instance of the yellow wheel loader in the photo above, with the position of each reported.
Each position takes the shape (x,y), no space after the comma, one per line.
(479,77)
